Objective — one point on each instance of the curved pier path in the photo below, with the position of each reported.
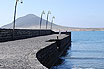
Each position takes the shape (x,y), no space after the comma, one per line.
(21,54)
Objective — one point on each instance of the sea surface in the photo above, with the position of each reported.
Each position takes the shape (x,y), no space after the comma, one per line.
(86,52)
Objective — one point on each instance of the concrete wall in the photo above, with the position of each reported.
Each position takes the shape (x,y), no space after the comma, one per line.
(49,55)
(7,34)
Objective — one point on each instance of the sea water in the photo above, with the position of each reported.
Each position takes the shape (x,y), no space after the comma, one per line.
(86,52)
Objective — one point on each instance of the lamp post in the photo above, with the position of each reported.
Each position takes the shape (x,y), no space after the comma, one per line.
(41,19)
(47,18)
(52,21)
(15,15)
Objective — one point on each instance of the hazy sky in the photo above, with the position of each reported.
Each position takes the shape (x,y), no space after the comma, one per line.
(72,13)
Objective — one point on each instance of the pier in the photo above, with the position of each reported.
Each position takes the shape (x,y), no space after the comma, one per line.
(33,53)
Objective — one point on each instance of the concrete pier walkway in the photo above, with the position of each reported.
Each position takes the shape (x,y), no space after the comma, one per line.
(21,54)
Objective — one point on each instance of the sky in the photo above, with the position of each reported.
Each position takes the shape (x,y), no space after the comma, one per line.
(71,13)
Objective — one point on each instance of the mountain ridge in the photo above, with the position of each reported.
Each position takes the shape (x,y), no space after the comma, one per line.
(32,21)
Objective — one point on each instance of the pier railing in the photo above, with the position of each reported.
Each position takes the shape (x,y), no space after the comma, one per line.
(7,34)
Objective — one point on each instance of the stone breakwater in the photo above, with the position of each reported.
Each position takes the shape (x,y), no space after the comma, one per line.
(22,54)
(50,55)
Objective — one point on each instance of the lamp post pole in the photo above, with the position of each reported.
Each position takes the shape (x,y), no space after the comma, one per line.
(41,19)
(52,21)
(47,18)
(15,16)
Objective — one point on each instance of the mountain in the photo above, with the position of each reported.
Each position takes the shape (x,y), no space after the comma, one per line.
(32,21)
(27,21)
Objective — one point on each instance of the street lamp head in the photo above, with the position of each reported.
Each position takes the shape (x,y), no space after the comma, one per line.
(53,17)
(21,1)
(49,12)
(18,1)
(43,12)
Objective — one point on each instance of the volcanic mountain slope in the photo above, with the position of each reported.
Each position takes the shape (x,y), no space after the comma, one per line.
(32,21)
